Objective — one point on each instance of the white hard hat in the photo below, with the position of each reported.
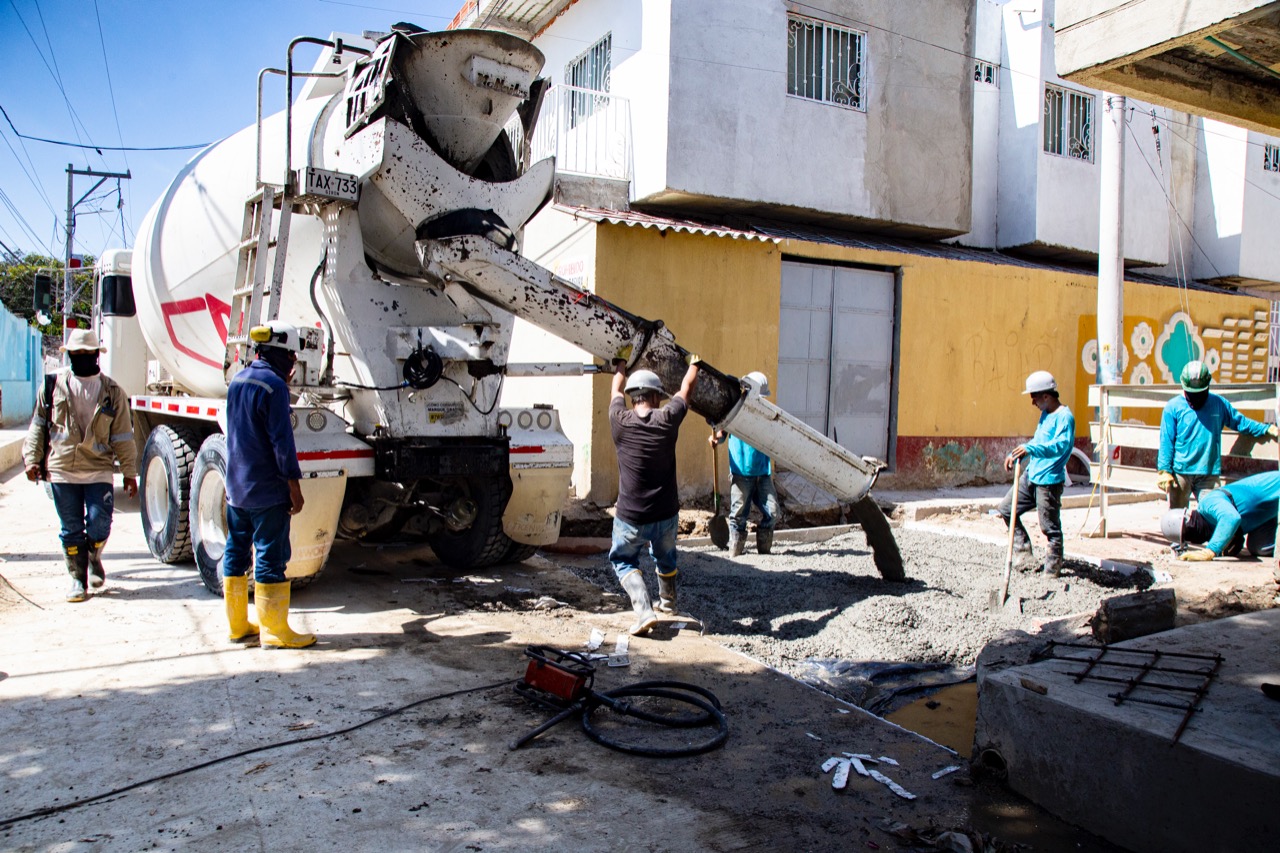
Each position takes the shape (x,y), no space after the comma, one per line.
(643,381)
(757,382)
(81,340)
(277,333)
(1040,381)
(1171,525)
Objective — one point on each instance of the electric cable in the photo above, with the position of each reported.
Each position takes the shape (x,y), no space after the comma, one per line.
(98,148)
(496,396)
(51,810)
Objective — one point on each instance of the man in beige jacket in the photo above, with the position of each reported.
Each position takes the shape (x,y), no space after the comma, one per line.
(77,434)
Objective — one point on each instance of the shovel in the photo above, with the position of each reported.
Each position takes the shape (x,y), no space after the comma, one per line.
(718,526)
(1000,596)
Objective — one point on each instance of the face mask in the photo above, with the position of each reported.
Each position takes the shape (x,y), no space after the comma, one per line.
(83,363)
(1196,399)
(280,360)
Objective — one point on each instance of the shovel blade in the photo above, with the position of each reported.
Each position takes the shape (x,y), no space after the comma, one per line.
(718,527)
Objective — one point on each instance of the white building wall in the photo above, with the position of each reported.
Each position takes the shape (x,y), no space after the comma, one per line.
(1219,210)
(987,47)
(567,247)
(1260,250)
(735,133)
(1051,200)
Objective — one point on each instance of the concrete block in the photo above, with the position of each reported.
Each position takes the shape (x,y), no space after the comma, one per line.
(1114,769)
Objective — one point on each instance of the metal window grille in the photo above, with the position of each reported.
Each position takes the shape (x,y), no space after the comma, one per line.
(825,63)
(1068,123)
(1271,158)
(984,72)
(589,71)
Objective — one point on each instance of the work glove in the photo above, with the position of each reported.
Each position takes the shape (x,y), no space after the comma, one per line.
(1273,431)
(692,358)
(1197,555)
(1164,481)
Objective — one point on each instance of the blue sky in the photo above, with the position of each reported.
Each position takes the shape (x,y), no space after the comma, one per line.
(143,73)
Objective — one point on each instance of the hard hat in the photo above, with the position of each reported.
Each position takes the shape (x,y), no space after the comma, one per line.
(644,381)
(1039,382)
(1195,377)
(1171,524)
(757,382)
(277,333)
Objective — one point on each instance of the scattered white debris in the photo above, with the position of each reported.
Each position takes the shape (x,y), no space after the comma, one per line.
(680,626)
(859,766)
(841,778)
(812,735)
(842,710)
(546,602)
(619,660)
(884,759)
(622,644)
(595,640)
(830,764)
(892,785)
(862,756)
(944,771)
(517,589)
(420,580)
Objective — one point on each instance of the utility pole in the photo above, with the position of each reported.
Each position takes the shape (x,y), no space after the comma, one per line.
(68,299)
(1110,271)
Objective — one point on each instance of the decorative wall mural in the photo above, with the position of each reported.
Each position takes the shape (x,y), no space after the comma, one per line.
(1143,341)
(1178,344)
(1141,375)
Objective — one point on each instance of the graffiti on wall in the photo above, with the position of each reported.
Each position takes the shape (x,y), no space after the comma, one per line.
(1155,352)
(999,360)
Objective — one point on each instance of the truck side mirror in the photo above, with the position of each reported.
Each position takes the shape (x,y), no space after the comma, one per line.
(117,296)
(43,294)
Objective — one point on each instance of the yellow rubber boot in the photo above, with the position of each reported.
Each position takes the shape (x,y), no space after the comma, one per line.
(272,600)
(235,595)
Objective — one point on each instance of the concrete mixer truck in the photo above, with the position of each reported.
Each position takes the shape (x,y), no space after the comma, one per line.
(381,211)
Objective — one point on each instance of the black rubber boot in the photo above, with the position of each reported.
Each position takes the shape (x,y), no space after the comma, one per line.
(737,543)
(667,593)
(78,567)
(764,540)
(97,575)
(1053,565)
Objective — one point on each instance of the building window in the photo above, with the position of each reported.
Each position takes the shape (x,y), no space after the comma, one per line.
(589,71)
(1271,158)
(984,72)
(1068,123)
(825,63)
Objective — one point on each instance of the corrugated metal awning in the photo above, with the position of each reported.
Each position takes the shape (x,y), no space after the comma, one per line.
(662,223)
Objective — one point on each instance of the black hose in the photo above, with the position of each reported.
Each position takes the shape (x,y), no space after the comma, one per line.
(710,713)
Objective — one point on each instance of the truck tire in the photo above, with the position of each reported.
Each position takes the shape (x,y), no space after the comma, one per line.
(208,521)
(880,537)
(518,552)
(483,543)
(165,493)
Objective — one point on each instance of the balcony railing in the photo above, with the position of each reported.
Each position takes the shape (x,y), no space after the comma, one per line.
(588,132)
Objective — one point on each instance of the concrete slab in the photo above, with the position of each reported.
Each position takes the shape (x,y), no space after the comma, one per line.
(11,447)
(1115,770)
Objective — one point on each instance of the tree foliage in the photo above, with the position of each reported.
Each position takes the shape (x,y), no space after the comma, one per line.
(17,291)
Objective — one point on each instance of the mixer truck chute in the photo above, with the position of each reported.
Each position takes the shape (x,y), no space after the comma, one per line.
(409,284)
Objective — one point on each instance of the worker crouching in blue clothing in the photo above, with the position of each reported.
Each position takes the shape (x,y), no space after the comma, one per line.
(1040,485)
(1240,516)
(263,490)
(1190,457)
(750,482)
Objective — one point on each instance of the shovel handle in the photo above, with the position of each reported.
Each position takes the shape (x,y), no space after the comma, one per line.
(1013,520)
(715,475)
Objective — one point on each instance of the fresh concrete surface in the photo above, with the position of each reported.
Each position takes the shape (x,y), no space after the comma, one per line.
(1114,770)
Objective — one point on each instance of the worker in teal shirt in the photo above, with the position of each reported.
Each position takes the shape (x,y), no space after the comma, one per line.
(751,482)
(1041,484)
(1190,459)
(1241,514)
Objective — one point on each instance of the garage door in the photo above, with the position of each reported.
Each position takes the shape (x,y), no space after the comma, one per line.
(835,353)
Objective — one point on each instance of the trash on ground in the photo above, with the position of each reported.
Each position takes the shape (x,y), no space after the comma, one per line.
(944,771)
(546,602)
(812,735)
(892,785)
(595,640)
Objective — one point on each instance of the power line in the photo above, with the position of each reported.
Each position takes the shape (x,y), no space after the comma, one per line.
(98,148)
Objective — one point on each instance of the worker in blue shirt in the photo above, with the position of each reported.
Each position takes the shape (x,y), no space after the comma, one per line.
(751,482)
(1040,485)
(263,489)
(1190,459)
(1242,514)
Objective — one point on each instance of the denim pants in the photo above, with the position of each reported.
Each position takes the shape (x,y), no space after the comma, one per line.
(1046,499)
(85,511)
(262,534)
(743,492)
(1186,486)
(630,539)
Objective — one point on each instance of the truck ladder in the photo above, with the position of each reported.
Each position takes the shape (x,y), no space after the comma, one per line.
(251,288)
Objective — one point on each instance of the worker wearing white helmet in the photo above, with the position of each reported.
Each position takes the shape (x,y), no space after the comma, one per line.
(1190,457)
(751,482)
(1040,484)
(648,500)
(263,489)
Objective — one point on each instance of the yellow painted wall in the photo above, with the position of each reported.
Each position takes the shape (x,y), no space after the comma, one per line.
(970,333)
(718,296)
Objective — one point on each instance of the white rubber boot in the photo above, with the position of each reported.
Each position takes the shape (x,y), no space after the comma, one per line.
(633,583)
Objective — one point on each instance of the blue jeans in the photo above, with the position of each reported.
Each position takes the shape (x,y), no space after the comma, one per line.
(266,532)
(85,511)
(744,491)
(629,540)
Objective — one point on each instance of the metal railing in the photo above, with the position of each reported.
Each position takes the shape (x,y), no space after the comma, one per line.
(587,131)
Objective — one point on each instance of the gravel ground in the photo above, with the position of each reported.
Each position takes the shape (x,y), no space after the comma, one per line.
(825,601)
